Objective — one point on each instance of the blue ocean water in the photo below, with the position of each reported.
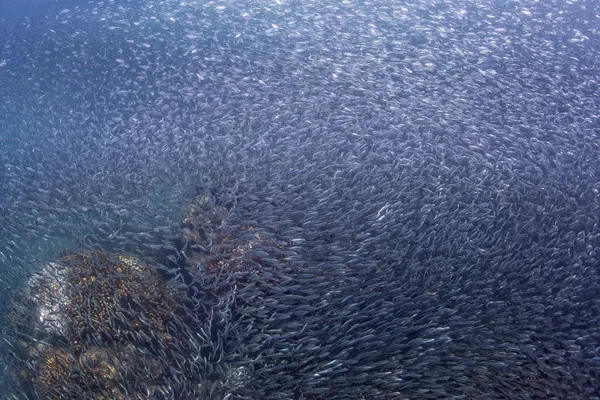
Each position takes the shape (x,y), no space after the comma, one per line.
(361,199)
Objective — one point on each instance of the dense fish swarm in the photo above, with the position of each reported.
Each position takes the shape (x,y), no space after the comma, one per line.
(301,200)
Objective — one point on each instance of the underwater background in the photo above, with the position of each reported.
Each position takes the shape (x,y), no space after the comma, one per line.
(300,199)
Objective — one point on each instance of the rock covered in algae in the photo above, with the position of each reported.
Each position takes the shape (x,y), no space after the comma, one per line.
(96,325)
(216,241)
